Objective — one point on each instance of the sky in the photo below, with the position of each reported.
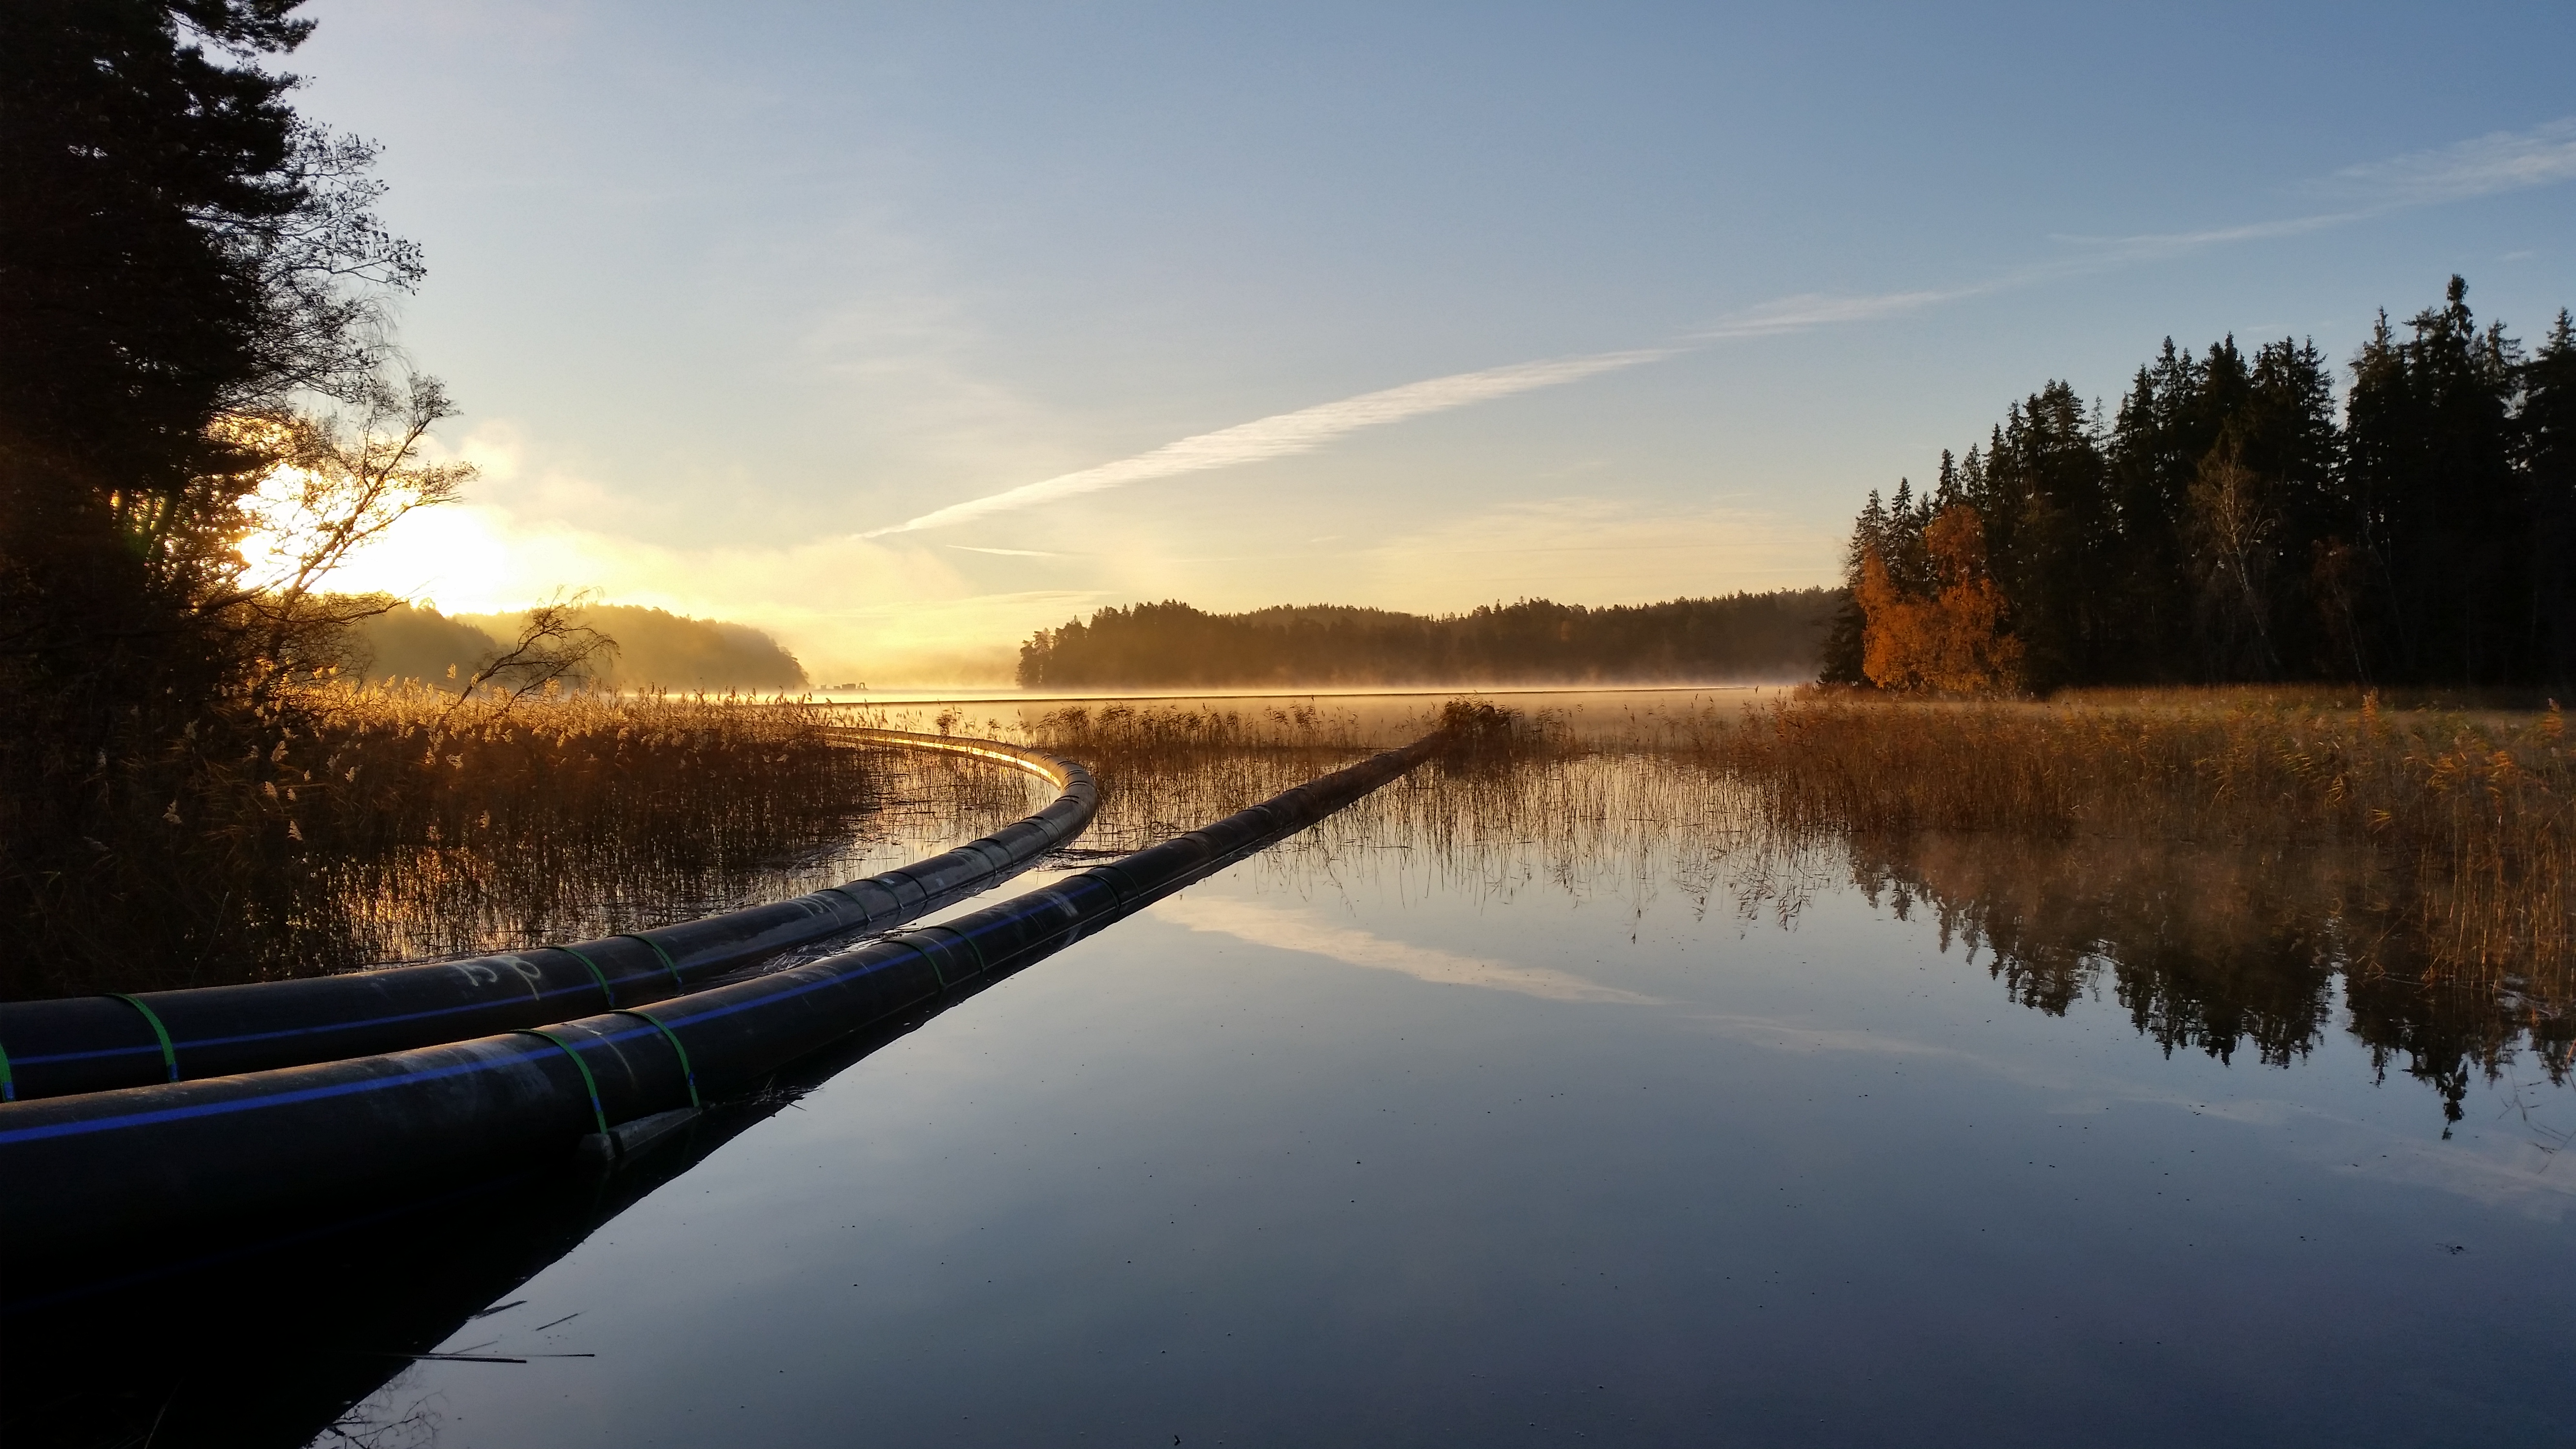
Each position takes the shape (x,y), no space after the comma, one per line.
(903,330)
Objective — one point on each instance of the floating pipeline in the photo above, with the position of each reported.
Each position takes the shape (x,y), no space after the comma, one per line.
(99,1043)
(114,1167)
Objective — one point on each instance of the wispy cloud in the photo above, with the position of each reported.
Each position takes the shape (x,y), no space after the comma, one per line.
(1821,309)
(2502,161)
(1286,434)
(2154,246)
(1008,552)
(1264,924)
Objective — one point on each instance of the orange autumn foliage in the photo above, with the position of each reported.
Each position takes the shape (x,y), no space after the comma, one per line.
(1953,640)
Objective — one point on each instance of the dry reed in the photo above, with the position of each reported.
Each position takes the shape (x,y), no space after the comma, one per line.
(2467,818)
(386,824)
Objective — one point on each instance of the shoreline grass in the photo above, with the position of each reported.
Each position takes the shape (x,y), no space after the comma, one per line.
(374,824)
(2466,818)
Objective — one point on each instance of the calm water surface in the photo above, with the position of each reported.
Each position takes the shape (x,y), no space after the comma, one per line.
(1574,1111)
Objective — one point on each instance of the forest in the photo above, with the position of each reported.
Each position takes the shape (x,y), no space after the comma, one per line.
(648,648)
(1769,636)
(2229,522)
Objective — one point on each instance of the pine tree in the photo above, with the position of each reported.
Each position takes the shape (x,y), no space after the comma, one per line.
(2430,470)
(2548,444)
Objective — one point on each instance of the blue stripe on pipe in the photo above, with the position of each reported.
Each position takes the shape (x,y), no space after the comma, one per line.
(832,976)
(356,1025)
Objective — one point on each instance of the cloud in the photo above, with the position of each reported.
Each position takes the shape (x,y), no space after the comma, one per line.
(2504,161)
(1009,552)
(1294,930)
(1285,434)
(2153,246)
(1819,309)
(2501,161)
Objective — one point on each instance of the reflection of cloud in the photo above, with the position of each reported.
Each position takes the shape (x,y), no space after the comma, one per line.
(1292,930)
(2500,1171)
(1284,434)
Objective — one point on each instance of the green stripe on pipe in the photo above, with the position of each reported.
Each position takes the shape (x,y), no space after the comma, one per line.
(169,1053)
(982,967)
(587,1080)
(8,1083)
(1127,880)
(906,942)
(667,1035)
(595,973)
(667,963)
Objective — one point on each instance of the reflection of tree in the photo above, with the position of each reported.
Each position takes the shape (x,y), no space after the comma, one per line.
(2216,949)
(2211,948)
(2208,950)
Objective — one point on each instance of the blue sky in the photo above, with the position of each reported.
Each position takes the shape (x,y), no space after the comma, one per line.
(1639,300)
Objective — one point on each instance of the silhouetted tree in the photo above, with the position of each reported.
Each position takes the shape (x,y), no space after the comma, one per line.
(2430,472)
(190,278)
(2548,421)
(2224,527)
(1170,644)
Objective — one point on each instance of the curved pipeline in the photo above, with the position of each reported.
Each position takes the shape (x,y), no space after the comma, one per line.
(111,1164)
(100,1043)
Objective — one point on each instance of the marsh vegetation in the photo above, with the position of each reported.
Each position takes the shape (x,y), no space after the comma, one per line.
(409,823)
(2243,871)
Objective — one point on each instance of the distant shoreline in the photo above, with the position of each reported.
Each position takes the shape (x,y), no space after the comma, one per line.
(835,699)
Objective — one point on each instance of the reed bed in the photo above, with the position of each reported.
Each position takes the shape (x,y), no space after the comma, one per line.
(2213,946)
(2465,819)
(1166,768)
(401,823)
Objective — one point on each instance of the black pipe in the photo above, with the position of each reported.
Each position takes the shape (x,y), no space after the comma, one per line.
(111,1165)
(266,1331)
(99,1043)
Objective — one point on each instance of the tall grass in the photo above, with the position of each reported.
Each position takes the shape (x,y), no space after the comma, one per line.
(2465,819)
(2209,943)
(387,824)
(1165,768)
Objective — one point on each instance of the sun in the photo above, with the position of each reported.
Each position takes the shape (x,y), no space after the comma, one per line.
(463,557)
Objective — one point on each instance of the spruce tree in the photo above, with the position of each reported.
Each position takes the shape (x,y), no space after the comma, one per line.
(2442,516)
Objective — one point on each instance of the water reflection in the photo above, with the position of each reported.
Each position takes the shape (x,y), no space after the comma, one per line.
(1697,1183)
(2218,951)
(2209,949)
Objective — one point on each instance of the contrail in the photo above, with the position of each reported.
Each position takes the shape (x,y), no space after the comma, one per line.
(1283,434)
(2504,161)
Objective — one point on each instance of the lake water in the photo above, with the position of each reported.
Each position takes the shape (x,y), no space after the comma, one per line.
(1497,1114)
(1541,1105)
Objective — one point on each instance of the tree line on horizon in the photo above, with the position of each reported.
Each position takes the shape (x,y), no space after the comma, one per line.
(2224,525)
(1745,636)
(647,647)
